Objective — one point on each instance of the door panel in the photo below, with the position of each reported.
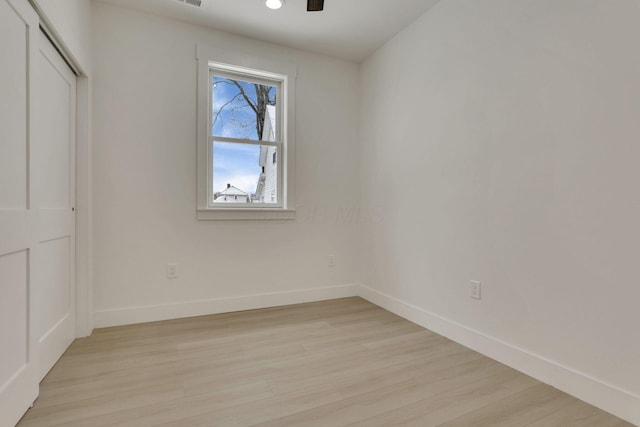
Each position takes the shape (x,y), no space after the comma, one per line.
(55,178)
(14,229)
(14,46)
(18,223)
(55,296)
(13,305)
(55,224)
(55,116)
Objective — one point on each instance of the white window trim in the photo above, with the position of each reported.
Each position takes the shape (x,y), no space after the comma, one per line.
(237,61)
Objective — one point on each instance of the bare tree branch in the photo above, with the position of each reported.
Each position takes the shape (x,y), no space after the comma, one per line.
(257,105)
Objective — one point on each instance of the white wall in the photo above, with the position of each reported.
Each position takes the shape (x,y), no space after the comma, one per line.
(144,176)
(501,144)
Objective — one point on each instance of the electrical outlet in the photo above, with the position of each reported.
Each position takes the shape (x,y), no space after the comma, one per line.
(476,290)
(172,271)
(332,261)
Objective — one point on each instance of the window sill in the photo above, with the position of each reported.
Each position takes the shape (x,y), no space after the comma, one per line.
(246,214)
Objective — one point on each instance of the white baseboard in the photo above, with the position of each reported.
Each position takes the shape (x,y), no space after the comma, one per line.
(610,398)
(152,313)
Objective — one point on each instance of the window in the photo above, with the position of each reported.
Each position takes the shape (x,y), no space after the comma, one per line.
(246,120)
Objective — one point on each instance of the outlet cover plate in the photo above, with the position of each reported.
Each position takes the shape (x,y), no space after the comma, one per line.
(476,290)
(172,271)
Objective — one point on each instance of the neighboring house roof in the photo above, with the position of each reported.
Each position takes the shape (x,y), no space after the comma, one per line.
(232,191)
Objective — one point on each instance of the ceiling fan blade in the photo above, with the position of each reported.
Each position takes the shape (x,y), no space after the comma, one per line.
(315,5)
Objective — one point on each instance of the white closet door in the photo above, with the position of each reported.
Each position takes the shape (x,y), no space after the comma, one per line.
(54,174)
(18,221)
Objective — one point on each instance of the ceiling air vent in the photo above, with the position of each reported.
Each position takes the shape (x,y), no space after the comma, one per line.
(192,2)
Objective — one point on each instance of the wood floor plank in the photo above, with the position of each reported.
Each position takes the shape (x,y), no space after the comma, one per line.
(579,414)
(330,363)
(521,408)
(453,403)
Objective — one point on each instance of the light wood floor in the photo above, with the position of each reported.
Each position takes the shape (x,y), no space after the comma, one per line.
(334,363)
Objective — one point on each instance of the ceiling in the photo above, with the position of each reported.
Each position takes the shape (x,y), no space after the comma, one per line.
(347,29)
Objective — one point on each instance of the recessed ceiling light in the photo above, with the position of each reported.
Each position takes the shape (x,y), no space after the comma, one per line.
(274,4)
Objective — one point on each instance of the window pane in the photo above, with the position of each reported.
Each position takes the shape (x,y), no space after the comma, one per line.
(244,173)
(243,110)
